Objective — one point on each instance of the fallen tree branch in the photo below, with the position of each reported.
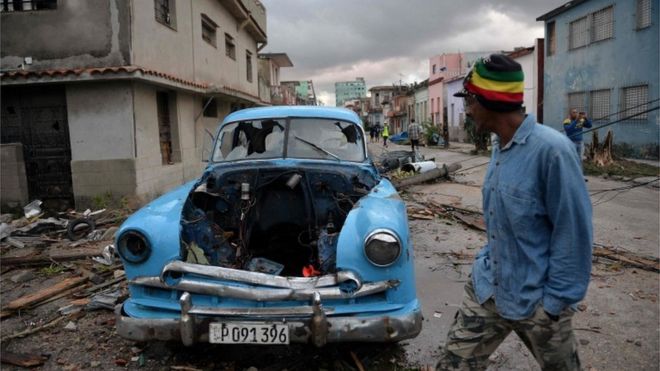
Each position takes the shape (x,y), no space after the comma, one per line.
(35,329)
(46,259)
(46,293)
(627,258)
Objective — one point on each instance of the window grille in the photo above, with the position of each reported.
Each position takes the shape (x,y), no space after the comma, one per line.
(643,13)
(162,11)
(552,40)
(578,33)
(27,5)
(635,101)
(602,24)
(248,65)
(600,105)
(208,30)
(576,101)
(230,47)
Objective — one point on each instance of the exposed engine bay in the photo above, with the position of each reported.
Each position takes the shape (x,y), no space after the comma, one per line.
(282,221)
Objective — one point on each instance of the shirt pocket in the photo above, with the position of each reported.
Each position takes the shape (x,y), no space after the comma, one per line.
(520,207)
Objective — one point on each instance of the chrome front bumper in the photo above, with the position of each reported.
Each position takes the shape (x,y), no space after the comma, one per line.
(317,329)
(307,323)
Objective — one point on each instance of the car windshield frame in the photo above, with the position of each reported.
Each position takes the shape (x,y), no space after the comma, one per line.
(313,138)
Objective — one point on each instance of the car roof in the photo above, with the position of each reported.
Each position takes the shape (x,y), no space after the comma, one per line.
(335,113)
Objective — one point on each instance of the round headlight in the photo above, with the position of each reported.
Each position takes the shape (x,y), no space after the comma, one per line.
(382,248)
(133,247)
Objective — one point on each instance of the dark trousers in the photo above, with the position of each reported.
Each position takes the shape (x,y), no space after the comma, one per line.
(414,143)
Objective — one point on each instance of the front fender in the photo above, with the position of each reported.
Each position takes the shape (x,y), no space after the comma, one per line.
(381,208)
(160,222)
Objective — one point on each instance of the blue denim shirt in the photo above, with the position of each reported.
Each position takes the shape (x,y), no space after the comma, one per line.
(538,219)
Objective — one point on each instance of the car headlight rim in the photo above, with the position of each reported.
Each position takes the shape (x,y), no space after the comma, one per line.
(134,247)
(373,236)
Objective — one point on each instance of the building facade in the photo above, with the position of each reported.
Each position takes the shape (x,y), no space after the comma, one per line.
(531,62)
(601,57)
(421,92)
(348,90)
(380,104)
(119,97)
(269,76)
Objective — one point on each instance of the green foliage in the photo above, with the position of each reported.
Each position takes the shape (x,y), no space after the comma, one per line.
(103,200)
(429,130)
(52,270)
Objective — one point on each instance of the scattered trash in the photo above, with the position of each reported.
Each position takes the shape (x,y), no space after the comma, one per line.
(104,300)
(437,314)
(5,230)
(78,228)
(107,257)
(109,234)
(23,359)
(22,276)
(6,218)
(95,235)
(118,273)
(71,326)
(32,209)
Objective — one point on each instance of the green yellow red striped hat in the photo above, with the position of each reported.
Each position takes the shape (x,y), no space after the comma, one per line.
(496,82)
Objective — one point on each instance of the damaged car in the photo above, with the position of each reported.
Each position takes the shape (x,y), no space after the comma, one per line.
(290,235)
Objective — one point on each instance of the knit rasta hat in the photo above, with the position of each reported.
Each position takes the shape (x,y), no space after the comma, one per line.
(496,82)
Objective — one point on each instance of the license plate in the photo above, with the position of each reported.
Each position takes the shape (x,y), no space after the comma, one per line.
(248,333)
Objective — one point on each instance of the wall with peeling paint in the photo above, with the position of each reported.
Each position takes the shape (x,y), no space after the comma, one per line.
(78,33)
(629,58)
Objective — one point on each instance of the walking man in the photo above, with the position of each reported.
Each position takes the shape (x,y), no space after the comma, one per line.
(386,134)
(536,264)
(573,127)
(414,133)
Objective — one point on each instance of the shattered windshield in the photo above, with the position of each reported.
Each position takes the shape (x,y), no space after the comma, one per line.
(308,138)
(325,139)
(245,140)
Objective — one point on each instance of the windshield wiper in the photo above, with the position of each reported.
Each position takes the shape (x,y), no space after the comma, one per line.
(316,147)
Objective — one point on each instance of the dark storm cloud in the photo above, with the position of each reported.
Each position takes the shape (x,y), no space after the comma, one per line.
(329,39)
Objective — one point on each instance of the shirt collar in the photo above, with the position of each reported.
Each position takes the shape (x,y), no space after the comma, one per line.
(520,137)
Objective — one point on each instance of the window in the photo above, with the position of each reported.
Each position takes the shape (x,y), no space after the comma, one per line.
(165,12)
(602,24)
(600,105)
(434,68)
(634,101)
(552,40)
(164,127)
(25,5)
(578,33)
(208,30)
(210,107)
(643,14)
(576,100)
(248,65)
(230,47)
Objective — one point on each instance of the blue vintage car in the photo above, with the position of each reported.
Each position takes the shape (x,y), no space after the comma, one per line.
(290,235)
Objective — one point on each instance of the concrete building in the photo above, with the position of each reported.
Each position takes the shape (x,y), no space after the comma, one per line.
(531,61)
(347,90)
(269,76)
(455,109)
(421,92)
(109,96)
(601,57)
(443,67)
(380,104)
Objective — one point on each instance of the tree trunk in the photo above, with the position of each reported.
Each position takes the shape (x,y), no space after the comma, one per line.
(601,154)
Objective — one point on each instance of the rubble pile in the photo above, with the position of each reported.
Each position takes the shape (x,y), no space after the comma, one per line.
(55,268)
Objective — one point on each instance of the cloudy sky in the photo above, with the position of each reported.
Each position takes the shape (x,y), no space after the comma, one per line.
(385,41)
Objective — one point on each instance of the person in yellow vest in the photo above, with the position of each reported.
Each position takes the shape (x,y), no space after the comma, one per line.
(386,134)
